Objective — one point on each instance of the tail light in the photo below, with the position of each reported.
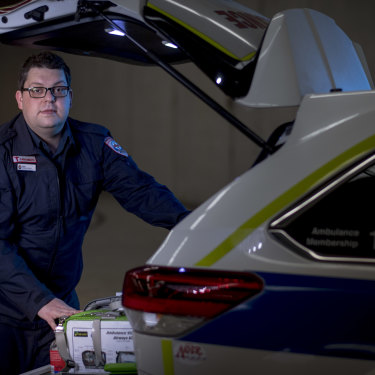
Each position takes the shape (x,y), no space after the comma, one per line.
(169,301)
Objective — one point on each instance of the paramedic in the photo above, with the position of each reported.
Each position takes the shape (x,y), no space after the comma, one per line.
(52,170)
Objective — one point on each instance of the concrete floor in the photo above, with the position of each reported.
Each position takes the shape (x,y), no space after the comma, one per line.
(115,242)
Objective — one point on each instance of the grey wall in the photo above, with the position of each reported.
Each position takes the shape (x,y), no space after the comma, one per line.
(169,132)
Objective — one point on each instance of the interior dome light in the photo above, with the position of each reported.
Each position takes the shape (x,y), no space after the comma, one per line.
(169,44)
(114,32)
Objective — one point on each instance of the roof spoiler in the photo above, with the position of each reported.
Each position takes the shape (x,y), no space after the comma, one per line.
(305,52)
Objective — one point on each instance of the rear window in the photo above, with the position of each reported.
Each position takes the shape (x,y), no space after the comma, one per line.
(338,226)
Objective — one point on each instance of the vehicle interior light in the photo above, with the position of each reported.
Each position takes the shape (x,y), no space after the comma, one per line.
(114,32)
(169,44)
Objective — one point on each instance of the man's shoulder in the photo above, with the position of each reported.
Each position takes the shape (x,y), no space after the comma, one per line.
(87,127)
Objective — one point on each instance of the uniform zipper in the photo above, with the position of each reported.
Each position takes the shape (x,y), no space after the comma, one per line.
(59,222)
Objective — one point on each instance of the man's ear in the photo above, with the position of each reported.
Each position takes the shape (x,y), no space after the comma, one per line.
(19,99)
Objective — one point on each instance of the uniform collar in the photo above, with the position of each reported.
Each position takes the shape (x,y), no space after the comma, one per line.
(65,140)
(28,143)
(23,144)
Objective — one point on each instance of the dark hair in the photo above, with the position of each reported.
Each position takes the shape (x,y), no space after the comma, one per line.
(44,59)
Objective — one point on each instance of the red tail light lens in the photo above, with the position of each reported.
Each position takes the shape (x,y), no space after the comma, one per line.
(187,292)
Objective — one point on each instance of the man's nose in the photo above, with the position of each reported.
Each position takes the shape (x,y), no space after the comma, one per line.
(49,96)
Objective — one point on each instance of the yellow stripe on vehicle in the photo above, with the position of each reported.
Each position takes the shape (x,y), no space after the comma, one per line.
(285,199)
(167,352)
(201,35)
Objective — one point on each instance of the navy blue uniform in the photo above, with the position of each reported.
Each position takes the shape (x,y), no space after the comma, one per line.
(46,206)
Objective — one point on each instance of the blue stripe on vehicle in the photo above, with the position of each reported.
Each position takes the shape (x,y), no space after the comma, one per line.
(301,314)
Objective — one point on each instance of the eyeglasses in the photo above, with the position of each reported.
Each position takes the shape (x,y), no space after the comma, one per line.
(41,92)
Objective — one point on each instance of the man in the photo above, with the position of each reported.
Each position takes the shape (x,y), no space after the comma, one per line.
(52,170)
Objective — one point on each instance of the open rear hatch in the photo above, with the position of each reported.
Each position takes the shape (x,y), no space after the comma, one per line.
(256,61)
(221,37)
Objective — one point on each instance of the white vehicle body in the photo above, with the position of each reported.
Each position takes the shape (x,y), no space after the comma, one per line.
(313,311)
(228,233)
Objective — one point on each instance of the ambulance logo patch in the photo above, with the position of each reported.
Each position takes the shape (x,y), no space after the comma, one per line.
(111,143)
(24,159)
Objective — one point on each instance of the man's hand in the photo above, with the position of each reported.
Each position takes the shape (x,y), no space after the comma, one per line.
(54,310)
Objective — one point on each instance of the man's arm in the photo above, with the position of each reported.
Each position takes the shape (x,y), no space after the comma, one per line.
(139,193)
(20,291)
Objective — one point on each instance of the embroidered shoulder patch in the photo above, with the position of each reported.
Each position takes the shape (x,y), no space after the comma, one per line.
(112,144)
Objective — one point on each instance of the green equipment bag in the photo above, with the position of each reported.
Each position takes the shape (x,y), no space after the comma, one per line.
(98,340)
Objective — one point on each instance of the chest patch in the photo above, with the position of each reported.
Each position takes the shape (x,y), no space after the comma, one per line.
(24,159)
(26,167)
(112,144)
